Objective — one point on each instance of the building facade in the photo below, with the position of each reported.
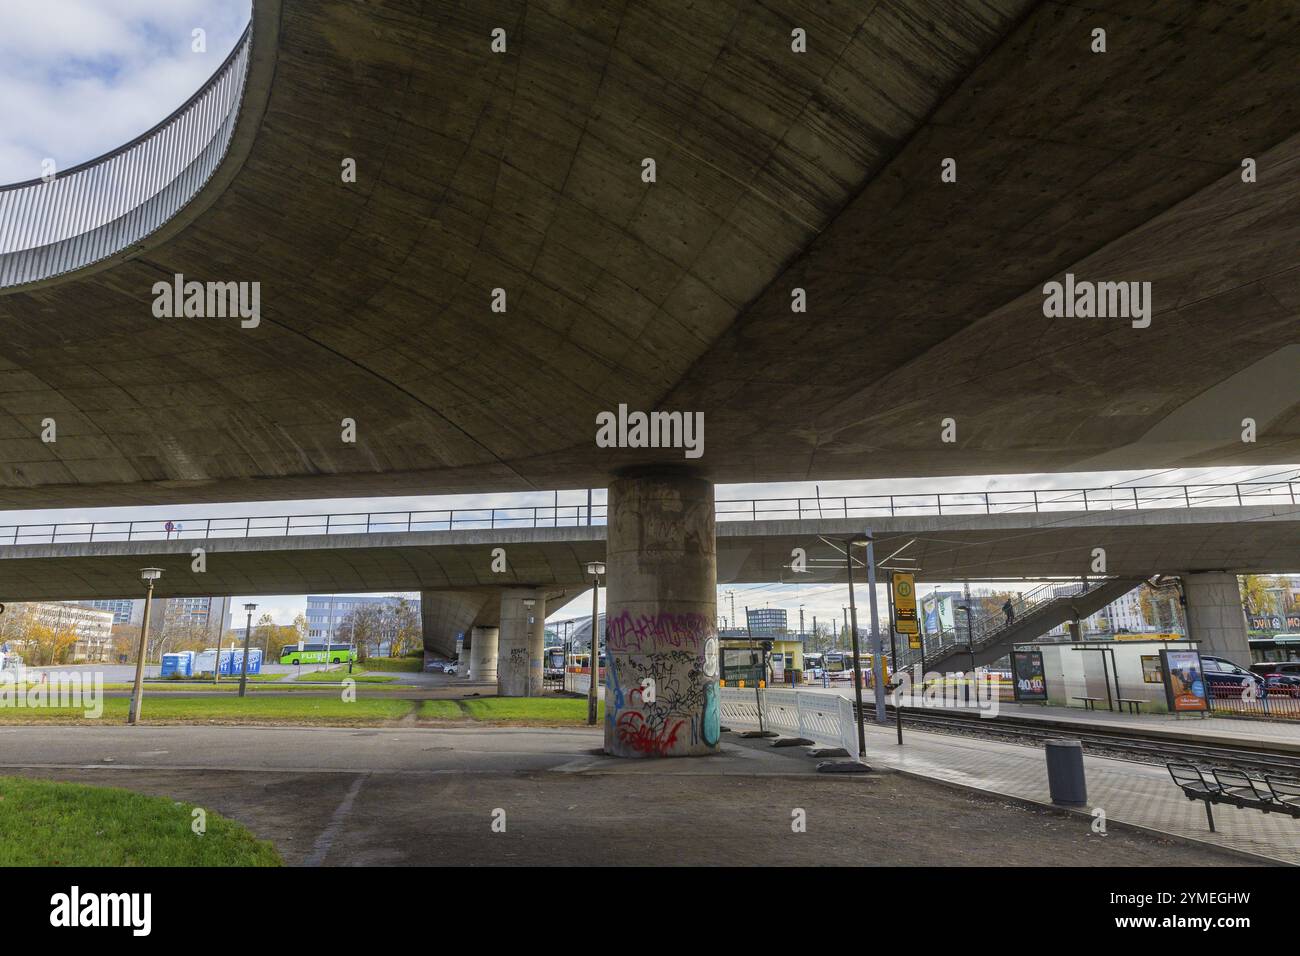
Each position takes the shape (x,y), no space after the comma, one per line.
(79,634)
(325,613)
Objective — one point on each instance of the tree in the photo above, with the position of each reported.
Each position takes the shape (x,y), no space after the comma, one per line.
(364,626)
(402,627)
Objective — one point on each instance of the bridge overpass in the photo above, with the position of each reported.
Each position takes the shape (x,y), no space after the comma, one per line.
(800,270)
(543,552)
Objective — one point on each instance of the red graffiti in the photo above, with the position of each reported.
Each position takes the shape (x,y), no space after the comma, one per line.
(635,733)
(623,633)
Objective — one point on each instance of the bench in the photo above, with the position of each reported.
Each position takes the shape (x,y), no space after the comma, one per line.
(1088,702)
(1133,704)
(1269,793)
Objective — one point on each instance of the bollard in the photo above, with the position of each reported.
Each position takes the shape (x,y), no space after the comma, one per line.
(1065,777)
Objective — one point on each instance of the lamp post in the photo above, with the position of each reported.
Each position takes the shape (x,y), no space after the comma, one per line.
(595,569)
(852,619)
(148,576)
(248,632)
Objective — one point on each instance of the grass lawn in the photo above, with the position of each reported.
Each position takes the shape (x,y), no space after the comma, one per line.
(43,823)
(226,684)
(325,711)
(415,664)
(359,674)
(513,710)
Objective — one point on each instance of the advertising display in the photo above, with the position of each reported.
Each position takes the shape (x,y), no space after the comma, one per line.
(1184,681)
(938,614)
(1028,679)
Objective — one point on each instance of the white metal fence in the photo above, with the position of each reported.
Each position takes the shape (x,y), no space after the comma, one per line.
(824,718)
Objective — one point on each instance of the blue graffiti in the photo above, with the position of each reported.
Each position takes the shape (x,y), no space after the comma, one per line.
(712,715)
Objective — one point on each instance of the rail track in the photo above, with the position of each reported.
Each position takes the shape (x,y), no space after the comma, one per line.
(1122,745)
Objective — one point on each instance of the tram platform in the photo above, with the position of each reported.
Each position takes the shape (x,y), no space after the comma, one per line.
(1137,794)
(1276,734)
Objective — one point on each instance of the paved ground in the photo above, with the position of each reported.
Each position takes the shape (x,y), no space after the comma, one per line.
(423,796)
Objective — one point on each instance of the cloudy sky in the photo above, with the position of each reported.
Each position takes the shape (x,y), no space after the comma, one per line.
(82,77)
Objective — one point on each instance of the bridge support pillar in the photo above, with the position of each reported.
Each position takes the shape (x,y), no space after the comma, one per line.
(446,614)
(483,654)
(1215,617)
(661,637)
(462,658)
(523,638)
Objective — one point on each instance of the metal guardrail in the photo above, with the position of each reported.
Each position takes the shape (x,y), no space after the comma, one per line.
(562,516)
(94,210)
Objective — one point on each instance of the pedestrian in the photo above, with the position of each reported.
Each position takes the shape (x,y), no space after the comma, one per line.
(169,528)
(1009,611)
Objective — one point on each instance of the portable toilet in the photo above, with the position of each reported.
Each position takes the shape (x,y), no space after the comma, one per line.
(203,661)
(180,664)
(237,661)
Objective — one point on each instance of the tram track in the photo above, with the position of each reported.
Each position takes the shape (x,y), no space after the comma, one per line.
(1120,744)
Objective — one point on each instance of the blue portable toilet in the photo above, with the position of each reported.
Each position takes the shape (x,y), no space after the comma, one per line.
(181,663)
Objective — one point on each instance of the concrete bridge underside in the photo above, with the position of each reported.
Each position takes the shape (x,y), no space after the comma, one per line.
(776,170)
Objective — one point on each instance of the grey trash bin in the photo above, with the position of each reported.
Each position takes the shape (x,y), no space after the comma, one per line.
(1065,777)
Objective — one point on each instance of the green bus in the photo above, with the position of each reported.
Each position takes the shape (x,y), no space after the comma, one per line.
(318,654)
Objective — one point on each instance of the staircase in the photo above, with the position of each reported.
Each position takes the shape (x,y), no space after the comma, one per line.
(1037,612)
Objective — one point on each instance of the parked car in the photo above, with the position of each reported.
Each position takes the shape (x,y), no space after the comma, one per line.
(1225,679)
(1282,685)
(449,669)
(1277,667)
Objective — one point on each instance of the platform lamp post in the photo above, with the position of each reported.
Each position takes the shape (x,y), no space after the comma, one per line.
(595,569)
(148,576)
(248,633)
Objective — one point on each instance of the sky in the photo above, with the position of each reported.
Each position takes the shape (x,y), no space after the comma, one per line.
(82,77)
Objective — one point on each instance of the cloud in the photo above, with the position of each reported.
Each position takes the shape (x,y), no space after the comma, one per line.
(82,77)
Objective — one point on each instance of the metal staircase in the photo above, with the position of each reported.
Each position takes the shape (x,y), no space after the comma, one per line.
(1036,612)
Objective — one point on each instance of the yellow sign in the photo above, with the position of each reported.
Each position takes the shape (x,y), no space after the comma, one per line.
(904,603)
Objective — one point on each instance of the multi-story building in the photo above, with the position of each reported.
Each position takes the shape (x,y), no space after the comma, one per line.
(325,612)
(124,610)
(767,621)
(90,630)
(206,617)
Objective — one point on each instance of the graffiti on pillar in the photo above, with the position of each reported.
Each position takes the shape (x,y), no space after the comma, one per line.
(643,736)
(654,632)
(712,715)
(676,715)
(518,657)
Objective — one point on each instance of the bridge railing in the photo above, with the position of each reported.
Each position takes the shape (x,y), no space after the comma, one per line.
(74,218)
(577,515)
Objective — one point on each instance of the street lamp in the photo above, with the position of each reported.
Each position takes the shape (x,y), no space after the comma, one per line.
(248,632)
(595,569)
(148,576)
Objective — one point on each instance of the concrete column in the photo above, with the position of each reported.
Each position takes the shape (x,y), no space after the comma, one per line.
(483,654)
(443,615)
(462,660)
(523,638)
(661,637)
(1076,631)
(1215,617)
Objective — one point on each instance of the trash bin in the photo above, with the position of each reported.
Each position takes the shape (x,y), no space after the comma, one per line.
(1065,777)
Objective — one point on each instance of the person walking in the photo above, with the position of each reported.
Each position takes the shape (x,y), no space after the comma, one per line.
(1009,610)
(169,527)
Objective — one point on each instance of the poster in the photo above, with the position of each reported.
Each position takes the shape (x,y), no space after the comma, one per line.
(1027,677)
(1184,681)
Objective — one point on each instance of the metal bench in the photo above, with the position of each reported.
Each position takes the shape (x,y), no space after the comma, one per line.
(1088,702)
(1268,794)
(1134,704)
